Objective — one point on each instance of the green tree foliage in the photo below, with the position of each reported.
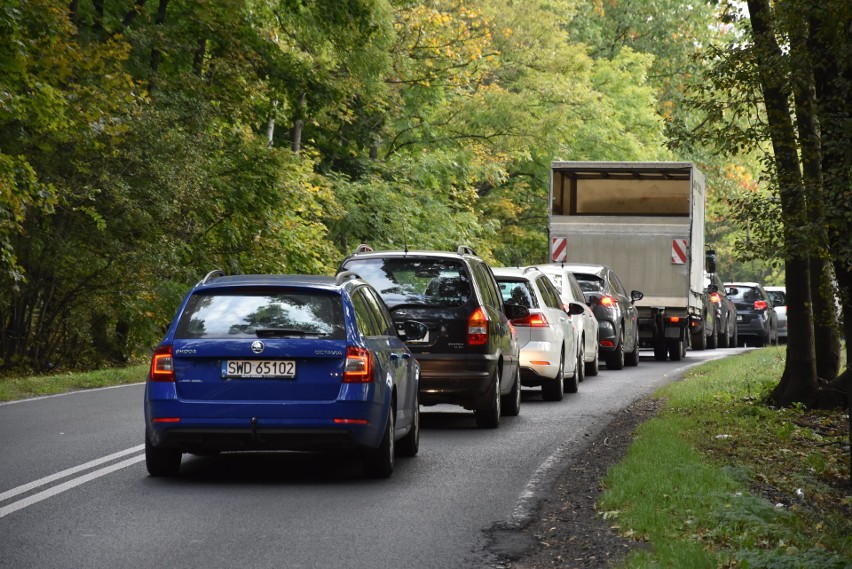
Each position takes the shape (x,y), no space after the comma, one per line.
(145,142)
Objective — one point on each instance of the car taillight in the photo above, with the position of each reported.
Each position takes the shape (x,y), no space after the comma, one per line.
(534,320)
(359,365)
(715,297)
(608,301)
(477,328)
(760,305)
(162,365)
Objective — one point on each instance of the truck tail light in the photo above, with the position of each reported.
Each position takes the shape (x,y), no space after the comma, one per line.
(359,365)
(608,301)
(760,305)
(162,365)
(534,320)
(477,327)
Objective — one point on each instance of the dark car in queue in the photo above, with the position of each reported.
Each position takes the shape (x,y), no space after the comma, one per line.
(618,319)
(470,354)
(757,322)
(726,312)
(282,362)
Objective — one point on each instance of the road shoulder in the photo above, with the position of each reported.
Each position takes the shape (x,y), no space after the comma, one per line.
(567,531)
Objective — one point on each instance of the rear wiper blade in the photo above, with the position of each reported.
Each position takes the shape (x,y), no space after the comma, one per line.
(283,332)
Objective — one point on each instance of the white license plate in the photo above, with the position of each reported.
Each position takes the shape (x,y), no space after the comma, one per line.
(739,317)
(262,369)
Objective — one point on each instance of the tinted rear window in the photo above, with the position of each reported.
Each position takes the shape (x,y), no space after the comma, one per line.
(589,283)
(418,281)
(518,292)
(777,296)
(262,313)
(743,293)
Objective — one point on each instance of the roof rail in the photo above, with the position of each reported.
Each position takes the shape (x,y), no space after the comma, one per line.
(211,275)
(345,276)
(465,250)
(529,269)
(363,248)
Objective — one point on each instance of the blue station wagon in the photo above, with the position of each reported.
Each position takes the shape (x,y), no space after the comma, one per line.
(273,362)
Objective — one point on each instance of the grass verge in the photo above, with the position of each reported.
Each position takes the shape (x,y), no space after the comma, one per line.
(718,479)
(12,388)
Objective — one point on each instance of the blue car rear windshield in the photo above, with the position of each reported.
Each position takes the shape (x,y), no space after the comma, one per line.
(262,313)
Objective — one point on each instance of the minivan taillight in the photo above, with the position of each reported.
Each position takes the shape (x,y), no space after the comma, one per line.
(162,365)
(477,327)
(359,365)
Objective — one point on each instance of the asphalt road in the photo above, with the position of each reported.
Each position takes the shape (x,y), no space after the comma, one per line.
(74,491)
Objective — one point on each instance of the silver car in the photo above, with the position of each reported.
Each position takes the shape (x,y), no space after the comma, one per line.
(550,355)
(586,328)
(778,294)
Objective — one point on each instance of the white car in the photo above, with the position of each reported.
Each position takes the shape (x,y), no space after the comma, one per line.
(550,355)
(586,328)
(778,294)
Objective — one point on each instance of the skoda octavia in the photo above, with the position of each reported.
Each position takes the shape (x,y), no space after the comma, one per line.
(262,362)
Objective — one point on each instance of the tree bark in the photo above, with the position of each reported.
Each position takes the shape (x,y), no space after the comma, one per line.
(298,125)
(156,54)
(826,337)
(798,382)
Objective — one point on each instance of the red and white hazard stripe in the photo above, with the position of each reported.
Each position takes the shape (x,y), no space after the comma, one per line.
(559,249)
(679,251)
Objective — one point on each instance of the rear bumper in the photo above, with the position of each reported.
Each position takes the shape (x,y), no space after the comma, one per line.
(463,379)
(607,338)
(266,425)
(753,325)
(241,439)
(534,374)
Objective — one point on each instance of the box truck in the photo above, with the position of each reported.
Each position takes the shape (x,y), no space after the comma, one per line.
(646,221)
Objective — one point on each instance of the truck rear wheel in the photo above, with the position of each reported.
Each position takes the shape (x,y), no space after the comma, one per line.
(661,352)
(676,350)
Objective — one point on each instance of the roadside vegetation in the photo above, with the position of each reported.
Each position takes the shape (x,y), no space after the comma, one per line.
(13,388)
(720,479)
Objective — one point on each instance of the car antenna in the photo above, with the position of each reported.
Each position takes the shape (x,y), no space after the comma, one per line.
(405,234)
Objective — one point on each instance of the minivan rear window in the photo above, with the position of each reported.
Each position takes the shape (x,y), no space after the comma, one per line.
(262,314)
(416,281)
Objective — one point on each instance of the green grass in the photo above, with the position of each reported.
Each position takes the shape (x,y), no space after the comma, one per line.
(718,479)
(12,388)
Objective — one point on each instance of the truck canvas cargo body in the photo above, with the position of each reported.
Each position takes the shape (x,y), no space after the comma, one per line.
(646,221)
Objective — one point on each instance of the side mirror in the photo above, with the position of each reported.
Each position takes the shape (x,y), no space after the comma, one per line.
(711,260)
(413,331)
(513,311)
(636,296)
(575,309)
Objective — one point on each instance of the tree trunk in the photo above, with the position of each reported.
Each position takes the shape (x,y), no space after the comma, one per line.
(826,338)
(198,57)
(798,382)
(156,55)
(298,124)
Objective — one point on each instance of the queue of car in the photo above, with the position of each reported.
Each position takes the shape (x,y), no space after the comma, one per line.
(344,363)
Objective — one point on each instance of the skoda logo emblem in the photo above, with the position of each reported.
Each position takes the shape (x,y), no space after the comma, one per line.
(257,346)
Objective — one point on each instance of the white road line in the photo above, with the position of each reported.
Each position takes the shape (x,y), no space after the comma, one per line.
(45,494)
(68,472)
